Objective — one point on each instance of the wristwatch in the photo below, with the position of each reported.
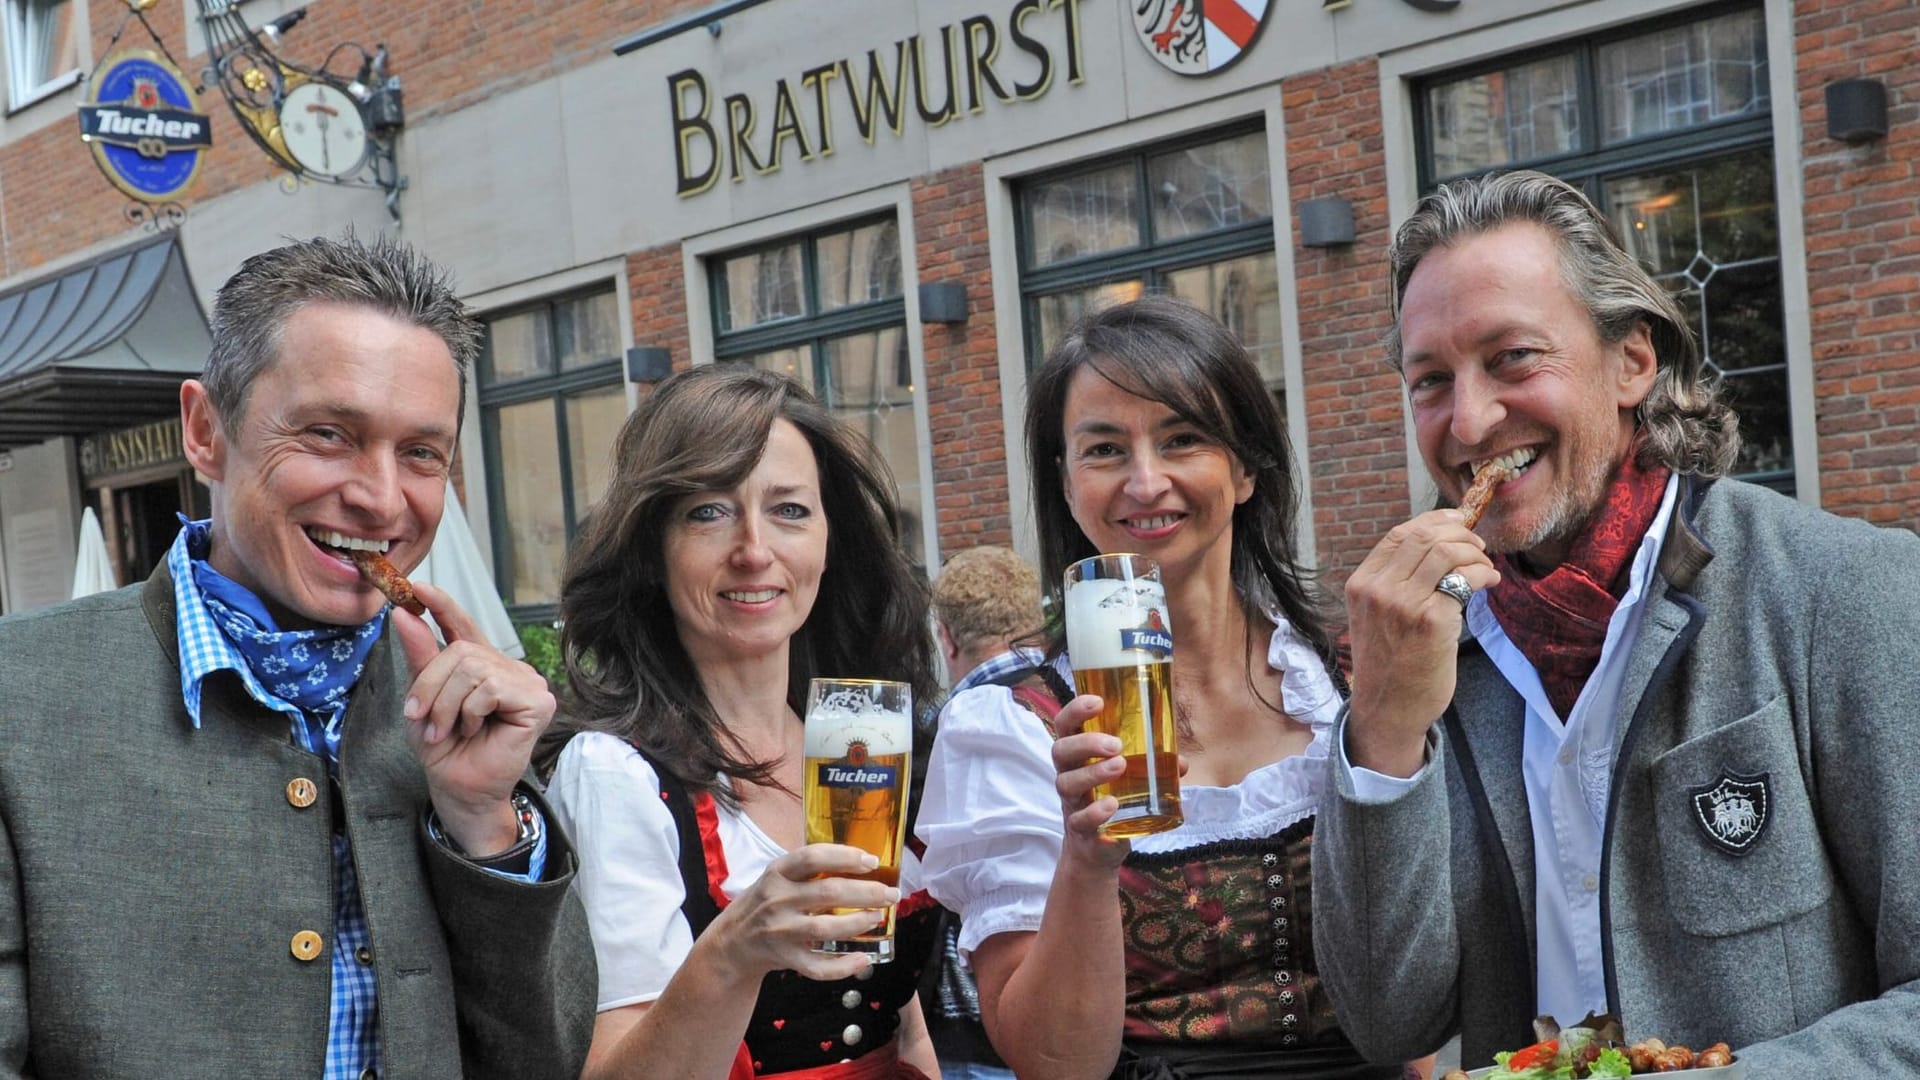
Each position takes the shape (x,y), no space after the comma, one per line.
(518,857)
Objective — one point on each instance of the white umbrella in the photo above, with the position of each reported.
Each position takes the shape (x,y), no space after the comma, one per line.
(453,566)
(92,569)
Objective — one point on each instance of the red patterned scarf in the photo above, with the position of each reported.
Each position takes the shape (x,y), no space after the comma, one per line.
(1559,620)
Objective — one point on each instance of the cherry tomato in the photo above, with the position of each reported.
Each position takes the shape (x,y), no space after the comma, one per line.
(1538,1054)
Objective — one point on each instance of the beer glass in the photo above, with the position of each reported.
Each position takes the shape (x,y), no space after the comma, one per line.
(859,745)
(1121,644)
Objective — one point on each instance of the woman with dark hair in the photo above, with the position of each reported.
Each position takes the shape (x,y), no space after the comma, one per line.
(747,543)
(1188,952)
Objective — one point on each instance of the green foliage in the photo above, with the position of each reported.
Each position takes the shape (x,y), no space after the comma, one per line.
(542,642)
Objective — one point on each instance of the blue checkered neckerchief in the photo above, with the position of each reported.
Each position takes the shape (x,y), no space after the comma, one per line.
(353,1043)
(305,674)
(1017,659)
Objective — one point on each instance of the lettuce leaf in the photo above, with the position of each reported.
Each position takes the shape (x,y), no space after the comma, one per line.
(1538,1072)
(1611,1063)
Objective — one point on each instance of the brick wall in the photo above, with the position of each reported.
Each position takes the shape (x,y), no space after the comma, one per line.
(1356,444)
(656,288)
(448,53)
(963,366)
(1863,258)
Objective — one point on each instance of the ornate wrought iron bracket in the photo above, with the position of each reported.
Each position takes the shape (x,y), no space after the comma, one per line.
(319,123)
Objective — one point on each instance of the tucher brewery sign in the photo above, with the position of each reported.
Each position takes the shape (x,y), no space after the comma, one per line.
(114,452)
(930,78)
(142,123)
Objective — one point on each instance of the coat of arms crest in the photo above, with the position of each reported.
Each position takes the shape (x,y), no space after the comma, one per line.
(1733,811)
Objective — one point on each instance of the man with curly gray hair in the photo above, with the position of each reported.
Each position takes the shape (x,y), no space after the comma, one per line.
(1636,745)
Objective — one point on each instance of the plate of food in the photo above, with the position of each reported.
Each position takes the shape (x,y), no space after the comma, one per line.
(1595,1048)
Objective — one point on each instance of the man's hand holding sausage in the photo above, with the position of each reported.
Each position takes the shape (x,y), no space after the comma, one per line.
(473,714)
(1406,637)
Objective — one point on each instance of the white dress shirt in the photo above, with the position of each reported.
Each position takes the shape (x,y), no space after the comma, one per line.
(1568,769)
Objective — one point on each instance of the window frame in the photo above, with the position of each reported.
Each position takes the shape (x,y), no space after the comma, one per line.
(706,262)
(557,386)
(1151,259)
(19,94)
(812,328)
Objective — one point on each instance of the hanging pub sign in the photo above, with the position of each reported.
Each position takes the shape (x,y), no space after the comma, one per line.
(142,124)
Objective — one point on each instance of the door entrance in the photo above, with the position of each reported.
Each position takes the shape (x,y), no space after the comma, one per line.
(141,519)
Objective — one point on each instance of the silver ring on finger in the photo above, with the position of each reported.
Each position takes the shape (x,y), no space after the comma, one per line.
(1454,584)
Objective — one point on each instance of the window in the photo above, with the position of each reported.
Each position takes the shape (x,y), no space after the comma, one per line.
(1192,218)
(43,45)
(551,400)
(1669,130)
(826,308)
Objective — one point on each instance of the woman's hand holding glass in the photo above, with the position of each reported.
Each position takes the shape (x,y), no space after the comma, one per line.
(778,921)
(1085,760)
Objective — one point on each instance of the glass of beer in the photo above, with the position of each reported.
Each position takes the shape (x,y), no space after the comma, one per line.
(1121,643)
(859,746)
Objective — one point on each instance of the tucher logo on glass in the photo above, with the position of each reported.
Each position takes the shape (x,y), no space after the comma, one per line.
(855,772)
(1154,638)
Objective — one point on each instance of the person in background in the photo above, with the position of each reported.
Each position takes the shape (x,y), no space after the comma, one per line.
(257,822)
(747,543)
(1187,953)
(1642,744)
(984,601)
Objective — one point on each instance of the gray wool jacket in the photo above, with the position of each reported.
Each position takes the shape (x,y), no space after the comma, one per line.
(1779,662)
(153,877)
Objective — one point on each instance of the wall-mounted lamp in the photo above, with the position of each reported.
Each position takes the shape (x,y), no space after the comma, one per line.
(649,363)
(1326,222)
(943,302)
(1857,110)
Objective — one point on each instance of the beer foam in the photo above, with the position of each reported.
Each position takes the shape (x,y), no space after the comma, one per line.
(1100,613)
(829,731)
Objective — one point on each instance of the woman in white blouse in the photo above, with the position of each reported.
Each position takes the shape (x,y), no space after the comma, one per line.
(746,543)
(1150,430)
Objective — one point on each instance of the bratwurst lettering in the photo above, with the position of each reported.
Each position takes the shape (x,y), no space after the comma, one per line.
(383,575)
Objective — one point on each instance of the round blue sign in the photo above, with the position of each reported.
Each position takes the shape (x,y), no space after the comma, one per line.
(143,125)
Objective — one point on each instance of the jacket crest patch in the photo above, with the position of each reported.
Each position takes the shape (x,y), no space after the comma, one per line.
(1733,811)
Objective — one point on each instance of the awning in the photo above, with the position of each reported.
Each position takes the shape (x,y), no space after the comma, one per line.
(99,347)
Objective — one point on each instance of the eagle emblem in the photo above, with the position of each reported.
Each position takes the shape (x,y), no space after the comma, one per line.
(1198,37)
(1733,810)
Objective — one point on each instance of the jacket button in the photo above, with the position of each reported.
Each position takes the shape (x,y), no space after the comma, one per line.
(306,945)
(850,999)
(852,1035)
(368,1074)
(301,792)
(364,955)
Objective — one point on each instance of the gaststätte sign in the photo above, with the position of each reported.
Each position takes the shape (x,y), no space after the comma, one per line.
(1200,37)
(142,122)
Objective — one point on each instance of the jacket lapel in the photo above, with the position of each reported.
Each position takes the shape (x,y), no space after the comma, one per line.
(1491,719)
(1668,611)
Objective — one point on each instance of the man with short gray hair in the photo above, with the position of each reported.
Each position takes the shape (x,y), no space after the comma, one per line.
(1639,744)
(257,821)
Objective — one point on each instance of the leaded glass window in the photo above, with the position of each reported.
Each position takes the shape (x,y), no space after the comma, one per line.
(1668,129)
